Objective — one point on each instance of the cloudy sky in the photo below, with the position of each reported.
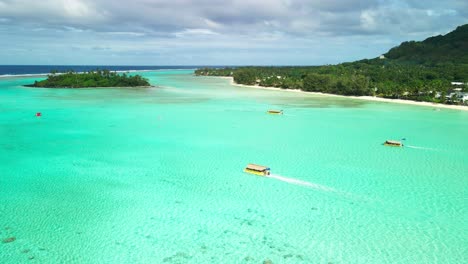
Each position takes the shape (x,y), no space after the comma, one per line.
(214,32)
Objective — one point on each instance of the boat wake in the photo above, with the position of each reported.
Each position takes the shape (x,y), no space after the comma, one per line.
(303,183)
(416,147)
(319,187)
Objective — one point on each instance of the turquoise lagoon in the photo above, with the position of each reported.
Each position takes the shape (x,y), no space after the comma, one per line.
(156,176)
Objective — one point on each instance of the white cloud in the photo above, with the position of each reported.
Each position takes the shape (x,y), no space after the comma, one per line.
(195,32)
(306,17)
(368,20)
(77,8)
(239,29)
(73,29)
(123,33)
(52,11)
(211,24)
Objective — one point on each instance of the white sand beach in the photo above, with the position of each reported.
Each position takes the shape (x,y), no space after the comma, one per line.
(368,98)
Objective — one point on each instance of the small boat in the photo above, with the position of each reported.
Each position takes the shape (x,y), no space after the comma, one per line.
(275,112)
(393,143)
(257,170)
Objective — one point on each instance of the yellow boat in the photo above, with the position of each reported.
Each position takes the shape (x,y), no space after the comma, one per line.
(257,170)
(275,112)
(393,143)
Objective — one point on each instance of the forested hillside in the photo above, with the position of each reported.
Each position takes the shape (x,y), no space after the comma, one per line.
(451,48)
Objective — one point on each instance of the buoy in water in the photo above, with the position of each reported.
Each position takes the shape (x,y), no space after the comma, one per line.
(38,114)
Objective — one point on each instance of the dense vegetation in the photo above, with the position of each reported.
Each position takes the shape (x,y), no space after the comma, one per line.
(424,73)
(97,78)
(452,48)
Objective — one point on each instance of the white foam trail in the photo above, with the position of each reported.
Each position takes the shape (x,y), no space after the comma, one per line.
(303,183)
(320,187)
(416,147)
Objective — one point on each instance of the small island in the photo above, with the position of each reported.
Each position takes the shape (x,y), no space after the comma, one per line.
(96,78)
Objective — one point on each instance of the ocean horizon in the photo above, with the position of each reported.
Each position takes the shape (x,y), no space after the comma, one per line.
(25,70)
(28,70)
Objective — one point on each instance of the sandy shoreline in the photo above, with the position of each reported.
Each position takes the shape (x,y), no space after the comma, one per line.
(367,98)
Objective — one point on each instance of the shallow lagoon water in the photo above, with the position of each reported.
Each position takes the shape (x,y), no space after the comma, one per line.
(155,176)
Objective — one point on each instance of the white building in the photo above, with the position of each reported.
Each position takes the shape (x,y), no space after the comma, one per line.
(464,98)
(460,97)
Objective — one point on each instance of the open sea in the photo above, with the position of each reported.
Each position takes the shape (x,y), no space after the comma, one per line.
(155,175)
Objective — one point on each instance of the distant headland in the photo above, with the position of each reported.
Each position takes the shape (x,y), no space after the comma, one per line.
(434,70)
(95,78)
